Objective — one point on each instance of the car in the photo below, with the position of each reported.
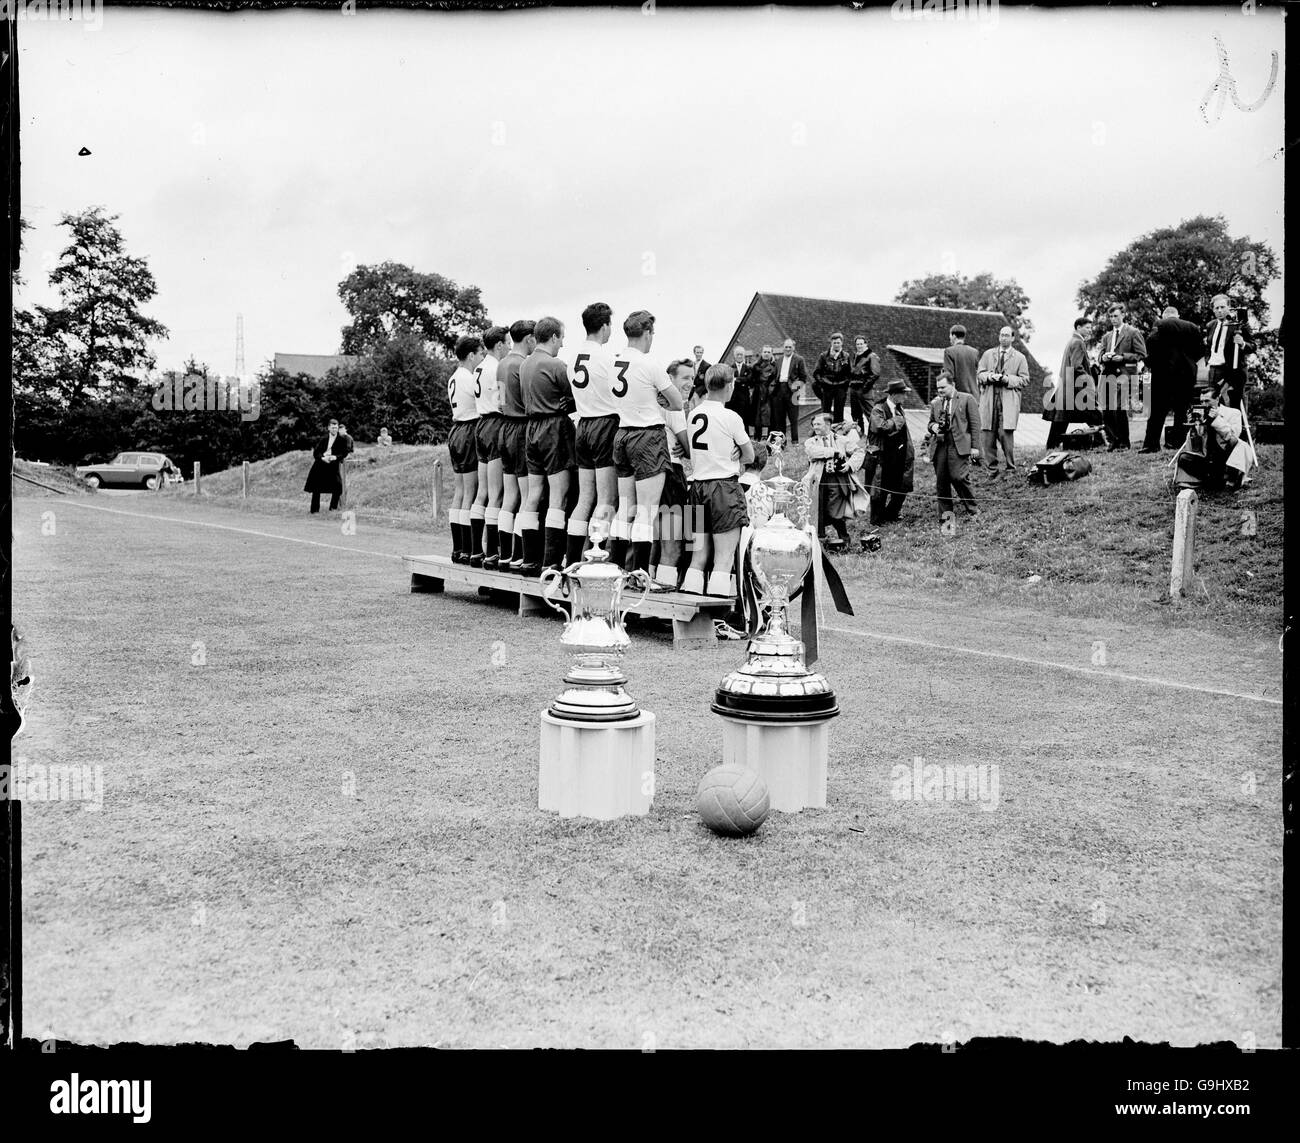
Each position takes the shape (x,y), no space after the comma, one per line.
(129,470)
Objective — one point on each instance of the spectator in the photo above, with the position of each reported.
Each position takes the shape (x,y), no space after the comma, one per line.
(699,367)
(1173,349)
(791,377)
(763,378)
(1122,350)
(835,455)
(896,456)
(961,362)
(831,378)
(384,439)
(324,473)
(950,439)
(864,371)
(738,402)
(1074,397)
(1228,349)
(1003,372)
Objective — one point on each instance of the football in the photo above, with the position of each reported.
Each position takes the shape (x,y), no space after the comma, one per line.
(732,800)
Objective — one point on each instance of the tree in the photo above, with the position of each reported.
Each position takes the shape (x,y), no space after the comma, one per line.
(397,385)
(391,297)
(982,292)
(1184,266)
(98,338)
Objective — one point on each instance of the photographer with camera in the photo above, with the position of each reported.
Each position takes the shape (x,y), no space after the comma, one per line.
(950,443)
(1003,372)
(835,454)
(1228,350)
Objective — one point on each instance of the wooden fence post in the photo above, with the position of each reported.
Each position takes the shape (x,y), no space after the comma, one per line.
(437,487)
(198,477)
(245,480)
(1180,570)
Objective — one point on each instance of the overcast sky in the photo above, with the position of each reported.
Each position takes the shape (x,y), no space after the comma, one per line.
(675,162)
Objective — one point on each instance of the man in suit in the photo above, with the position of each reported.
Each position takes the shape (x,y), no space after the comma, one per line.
(961,362)
(893,477)
(950,438)
(1173,349)
(739,403)
(1227,348)
(831,378)
(1074,397)
(1122,348)
(791,377)
(1003,371)
(700,367)
(327,454)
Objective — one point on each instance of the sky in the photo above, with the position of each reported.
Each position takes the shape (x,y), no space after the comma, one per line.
(670,160)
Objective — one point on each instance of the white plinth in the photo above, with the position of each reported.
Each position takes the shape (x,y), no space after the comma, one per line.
(790,758)
(600,770)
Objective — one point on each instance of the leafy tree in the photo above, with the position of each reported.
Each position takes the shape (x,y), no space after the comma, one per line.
(1184,266)
(982,292)
(98,337)
(386,299)
(398,384)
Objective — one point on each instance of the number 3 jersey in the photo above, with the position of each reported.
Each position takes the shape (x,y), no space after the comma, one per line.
(460,395)
(485,386)
(715,434)
(636,385)
(592,378)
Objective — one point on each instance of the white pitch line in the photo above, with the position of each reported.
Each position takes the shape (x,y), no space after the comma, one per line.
(1114,675)
(232,528)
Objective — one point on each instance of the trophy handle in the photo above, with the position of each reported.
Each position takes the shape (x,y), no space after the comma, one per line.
(550,577)
(643,579)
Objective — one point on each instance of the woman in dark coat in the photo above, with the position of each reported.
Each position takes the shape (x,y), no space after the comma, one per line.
(324,474)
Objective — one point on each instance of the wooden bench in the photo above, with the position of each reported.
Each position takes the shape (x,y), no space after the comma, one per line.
(692,615)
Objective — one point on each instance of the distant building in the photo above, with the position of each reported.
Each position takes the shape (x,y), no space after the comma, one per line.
(315,365)
(909,340)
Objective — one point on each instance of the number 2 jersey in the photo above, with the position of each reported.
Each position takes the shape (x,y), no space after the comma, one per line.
(715,434)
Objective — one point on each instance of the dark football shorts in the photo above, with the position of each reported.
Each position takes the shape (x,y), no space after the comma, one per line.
(550,444)
(641,453)
(723,502)
(512,441)
(676,493)
(487,438)
(594,444)
(460,443)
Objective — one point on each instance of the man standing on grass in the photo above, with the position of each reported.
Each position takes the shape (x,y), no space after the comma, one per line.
(738,402)
(1173,349)
(791,377)
(324,473)
(512,444)
(1228,350)
(895,456)
(864,372)
(831,378)
(1003,372)
(1121,351)
(961,362)
(1074,397)
(950,440)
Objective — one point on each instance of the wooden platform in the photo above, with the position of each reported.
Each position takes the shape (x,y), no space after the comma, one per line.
(692,615)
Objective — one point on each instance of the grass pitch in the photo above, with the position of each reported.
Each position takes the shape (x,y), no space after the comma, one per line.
(320,822)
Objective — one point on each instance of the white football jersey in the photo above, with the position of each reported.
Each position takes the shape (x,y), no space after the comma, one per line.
(485,386)
(460,395)
(674,423)
(715,434)
(637,382)
(591,377)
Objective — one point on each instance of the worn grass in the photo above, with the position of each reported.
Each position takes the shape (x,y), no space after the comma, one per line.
(328,831)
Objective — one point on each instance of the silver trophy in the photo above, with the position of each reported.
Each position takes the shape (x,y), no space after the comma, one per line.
(594,589)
